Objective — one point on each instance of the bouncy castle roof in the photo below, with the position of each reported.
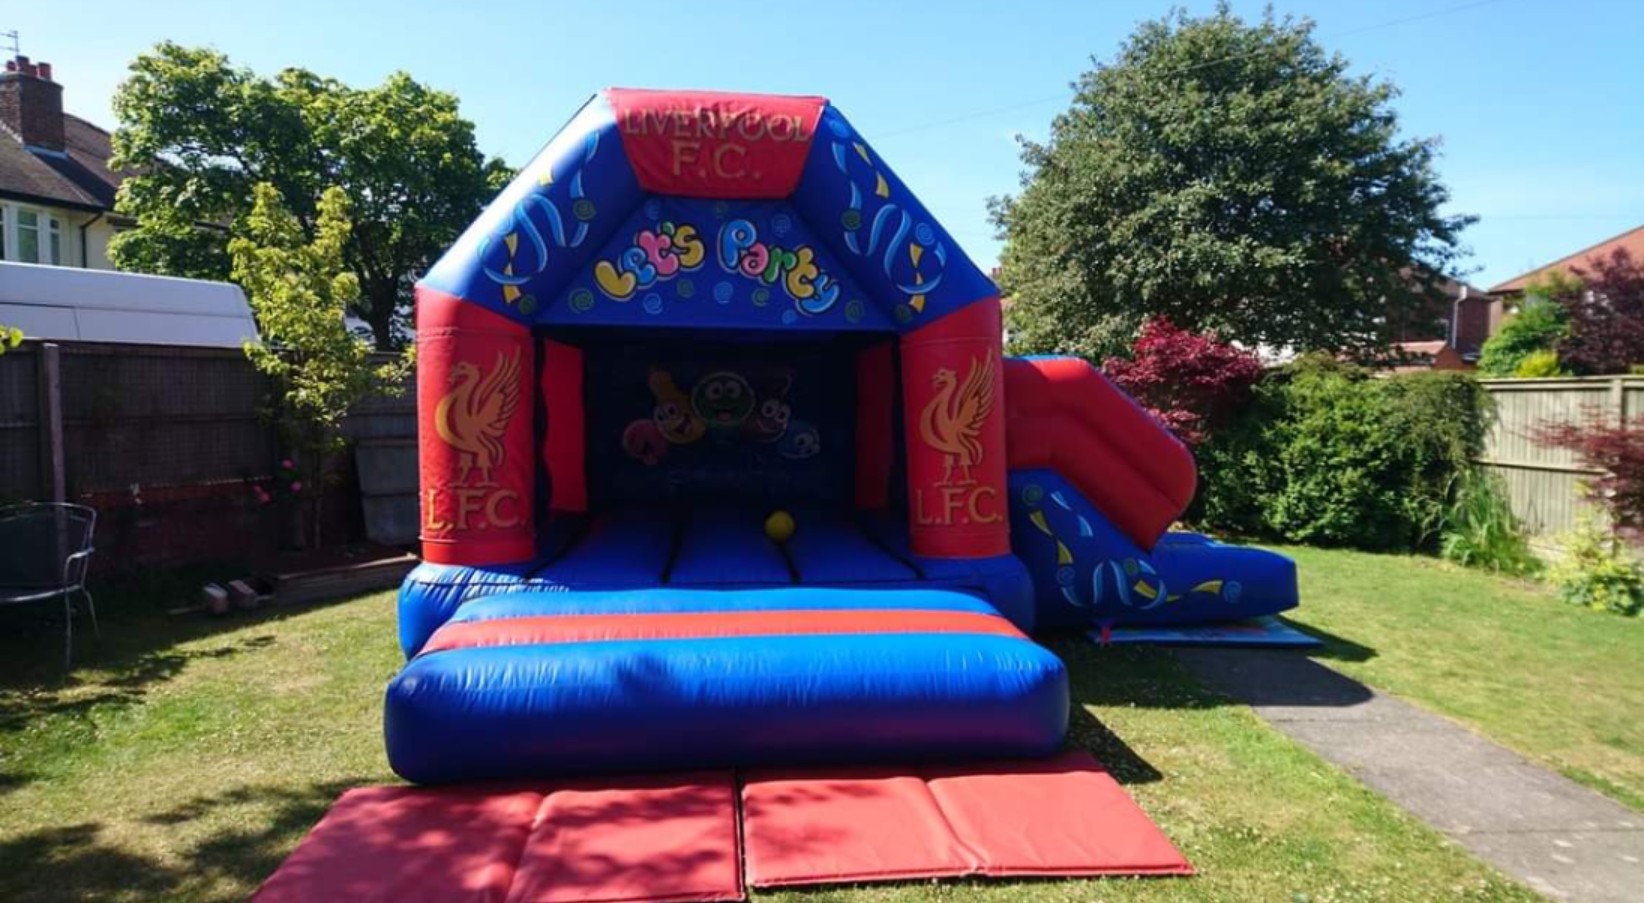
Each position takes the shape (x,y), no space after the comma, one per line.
(709,210)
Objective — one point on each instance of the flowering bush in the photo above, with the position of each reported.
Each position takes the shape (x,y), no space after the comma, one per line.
(286,482)
(1193,382)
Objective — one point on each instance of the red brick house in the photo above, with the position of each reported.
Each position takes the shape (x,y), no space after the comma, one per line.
(1631,241)
(1448,334)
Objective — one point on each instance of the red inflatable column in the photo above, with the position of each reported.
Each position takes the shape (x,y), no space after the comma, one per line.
(875,426)
(954,411)
(474,397)
(565,450)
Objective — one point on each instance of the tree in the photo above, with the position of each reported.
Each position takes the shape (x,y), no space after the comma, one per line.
(1193,382)
(201,133)
(299,289)
(1231,177)
(10,337)
(1606,317)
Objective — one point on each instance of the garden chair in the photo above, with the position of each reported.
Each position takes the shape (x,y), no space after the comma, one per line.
(45,548)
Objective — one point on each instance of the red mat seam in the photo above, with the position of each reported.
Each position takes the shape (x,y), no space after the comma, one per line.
(978,862)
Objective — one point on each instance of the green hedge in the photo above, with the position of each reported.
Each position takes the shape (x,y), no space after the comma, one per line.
(1330,455)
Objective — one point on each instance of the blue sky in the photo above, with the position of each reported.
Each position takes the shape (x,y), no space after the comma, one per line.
(1540,104)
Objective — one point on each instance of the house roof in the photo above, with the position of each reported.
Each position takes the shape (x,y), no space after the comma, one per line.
(77,177)
(1631,241)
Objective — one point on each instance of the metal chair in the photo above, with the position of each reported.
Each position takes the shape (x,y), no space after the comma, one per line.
(45,548)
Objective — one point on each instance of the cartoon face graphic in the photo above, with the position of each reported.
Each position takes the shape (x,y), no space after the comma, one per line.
(723,400)
(673,415)
(644,442)
(770,420)
(801,442)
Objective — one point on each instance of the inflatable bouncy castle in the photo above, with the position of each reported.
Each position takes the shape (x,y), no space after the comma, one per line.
(723,465)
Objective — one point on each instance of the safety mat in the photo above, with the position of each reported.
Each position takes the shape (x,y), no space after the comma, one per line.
(665,838)
(675,839)
(1064,816)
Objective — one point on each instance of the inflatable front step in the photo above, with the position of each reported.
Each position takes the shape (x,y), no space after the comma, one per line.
(548,684)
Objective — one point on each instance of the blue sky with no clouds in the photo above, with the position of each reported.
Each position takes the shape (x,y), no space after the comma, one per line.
(1540,104)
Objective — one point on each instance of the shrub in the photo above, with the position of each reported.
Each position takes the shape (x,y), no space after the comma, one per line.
(1480,529)
(1193,382)
(1617,449)
(1330,455)
(1538,364)
(1538,326)
(1597,573)
(1606,314)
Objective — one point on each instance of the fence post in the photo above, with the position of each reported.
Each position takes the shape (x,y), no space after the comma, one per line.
(53,479)
(1618,399)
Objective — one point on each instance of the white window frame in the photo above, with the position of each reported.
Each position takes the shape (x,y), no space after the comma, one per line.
(49,225)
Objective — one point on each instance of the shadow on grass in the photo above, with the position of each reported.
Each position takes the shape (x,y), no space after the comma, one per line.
(1118,677)
(134,671)
(135,629)
(83,862)
(1336,648)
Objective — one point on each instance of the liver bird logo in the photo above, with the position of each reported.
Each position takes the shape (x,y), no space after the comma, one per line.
(473,416)
(952,420)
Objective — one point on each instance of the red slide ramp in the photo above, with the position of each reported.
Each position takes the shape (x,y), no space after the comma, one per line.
(1064,415)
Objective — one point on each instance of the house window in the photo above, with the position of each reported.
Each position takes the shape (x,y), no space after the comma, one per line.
(30,235)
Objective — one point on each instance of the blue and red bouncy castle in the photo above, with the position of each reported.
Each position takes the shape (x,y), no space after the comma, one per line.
(692,310)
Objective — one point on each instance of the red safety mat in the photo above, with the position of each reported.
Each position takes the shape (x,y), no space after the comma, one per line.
(674,838)
(1064,816)
(409,845)
(662,838)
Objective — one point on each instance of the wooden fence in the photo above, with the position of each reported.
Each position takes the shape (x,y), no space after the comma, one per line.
(166,442)
(1545,483)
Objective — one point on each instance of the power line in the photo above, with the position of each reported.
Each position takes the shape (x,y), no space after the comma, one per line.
(994,111)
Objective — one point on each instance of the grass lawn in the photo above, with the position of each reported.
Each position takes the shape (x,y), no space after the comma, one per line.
(1559,684)
(188,757)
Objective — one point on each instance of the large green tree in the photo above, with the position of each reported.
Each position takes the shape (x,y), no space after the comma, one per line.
(202,132)
(1232,177)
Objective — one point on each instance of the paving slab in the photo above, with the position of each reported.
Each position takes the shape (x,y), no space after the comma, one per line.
(1561,839)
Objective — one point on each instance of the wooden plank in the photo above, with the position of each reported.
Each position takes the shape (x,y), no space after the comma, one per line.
(53,470)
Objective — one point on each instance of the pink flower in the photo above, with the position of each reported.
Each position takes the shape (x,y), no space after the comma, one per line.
(297,486)
(287,464)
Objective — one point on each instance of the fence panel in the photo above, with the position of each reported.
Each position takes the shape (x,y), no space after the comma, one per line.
(1544,484)
(161,415)
(19,425)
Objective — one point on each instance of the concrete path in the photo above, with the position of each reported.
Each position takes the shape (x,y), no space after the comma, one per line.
(1556,836)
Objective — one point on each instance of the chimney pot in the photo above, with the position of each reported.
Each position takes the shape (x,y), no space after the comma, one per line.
(32,106)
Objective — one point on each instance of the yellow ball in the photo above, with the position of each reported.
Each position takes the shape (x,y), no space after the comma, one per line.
(779,526)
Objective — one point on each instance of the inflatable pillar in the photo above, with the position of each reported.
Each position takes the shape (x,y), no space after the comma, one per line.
(474,402)
(875,426)
(565,446)
(954,422)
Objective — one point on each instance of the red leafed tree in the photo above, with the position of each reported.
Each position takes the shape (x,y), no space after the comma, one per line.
(1606,317)
(1193,382)
(1615,448)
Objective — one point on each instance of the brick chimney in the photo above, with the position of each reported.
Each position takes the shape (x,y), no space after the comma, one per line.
(31,104)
